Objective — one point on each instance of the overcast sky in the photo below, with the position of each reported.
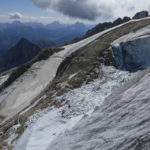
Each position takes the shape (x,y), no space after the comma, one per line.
(68,11)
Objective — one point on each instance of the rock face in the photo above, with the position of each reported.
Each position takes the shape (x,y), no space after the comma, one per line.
(140,15)
(103,26)
(19,54)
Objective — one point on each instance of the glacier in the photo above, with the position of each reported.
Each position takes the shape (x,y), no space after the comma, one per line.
(77,104)
(122,122)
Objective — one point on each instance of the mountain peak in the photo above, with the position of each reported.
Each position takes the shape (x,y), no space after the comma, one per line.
(23,40)
(21,53)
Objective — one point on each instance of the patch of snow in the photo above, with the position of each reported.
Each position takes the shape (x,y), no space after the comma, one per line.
(73,75)
(142,33)
(48,128)
(44,126)
(3,78)
(13,135)
(31,106)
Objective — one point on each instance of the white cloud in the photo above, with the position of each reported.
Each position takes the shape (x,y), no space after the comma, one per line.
(93,9)
(87,11)
(15,15)
(41,19)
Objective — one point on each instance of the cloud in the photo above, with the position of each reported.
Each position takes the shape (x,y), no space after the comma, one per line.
(15,15)
(84,9)
(93,9)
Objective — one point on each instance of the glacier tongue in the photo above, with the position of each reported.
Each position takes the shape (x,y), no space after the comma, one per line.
(78,103)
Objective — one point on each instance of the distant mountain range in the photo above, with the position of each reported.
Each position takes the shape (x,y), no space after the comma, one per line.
(51,34)
(21,53)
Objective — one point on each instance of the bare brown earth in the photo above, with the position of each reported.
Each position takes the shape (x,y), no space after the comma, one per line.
(86,62)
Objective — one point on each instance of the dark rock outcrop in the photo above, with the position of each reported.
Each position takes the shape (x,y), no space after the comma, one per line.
(103,26)
(106,25)
(140,15)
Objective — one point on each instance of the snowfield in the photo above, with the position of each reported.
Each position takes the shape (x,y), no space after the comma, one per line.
(3,78)
(121,123)
(23,91)
(44,126)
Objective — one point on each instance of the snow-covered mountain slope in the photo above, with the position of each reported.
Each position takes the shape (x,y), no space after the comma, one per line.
(75,66)
(75,104)
(3,78)
(78,104)
(23,91)
(32,83)
(121,123)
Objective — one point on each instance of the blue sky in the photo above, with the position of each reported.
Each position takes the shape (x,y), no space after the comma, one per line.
(28,9)
(23,6)
(69,11)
